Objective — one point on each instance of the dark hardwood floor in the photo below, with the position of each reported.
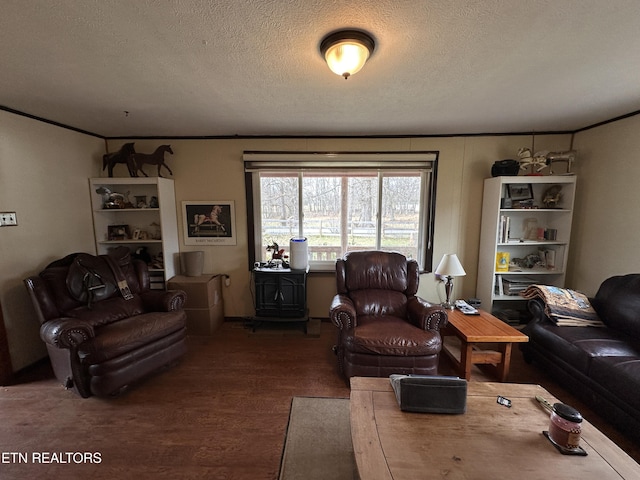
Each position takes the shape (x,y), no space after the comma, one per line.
(221,413)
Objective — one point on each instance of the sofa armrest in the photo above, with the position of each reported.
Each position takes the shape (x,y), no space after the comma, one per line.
(66,332)
(425,315)
(342,312)
(536,308)
(163,300)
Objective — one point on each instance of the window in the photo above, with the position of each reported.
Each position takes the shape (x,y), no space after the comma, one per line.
(342,202)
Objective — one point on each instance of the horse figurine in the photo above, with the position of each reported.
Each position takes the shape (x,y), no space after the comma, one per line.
(121,156)
(155,158)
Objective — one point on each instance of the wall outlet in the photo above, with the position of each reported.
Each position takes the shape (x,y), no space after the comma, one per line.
(8,219)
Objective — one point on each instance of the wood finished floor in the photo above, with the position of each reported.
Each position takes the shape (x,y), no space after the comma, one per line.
(221,413)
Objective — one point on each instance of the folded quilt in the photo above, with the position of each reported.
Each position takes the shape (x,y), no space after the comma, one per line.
(563,306)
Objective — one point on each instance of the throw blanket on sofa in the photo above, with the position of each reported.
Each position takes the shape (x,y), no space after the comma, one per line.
(564,307)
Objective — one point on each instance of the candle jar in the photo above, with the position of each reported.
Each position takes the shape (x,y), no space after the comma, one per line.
(565,426)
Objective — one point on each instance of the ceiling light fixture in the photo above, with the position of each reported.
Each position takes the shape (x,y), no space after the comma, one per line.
(347,51)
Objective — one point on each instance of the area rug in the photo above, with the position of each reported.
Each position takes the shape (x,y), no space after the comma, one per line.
(318,443)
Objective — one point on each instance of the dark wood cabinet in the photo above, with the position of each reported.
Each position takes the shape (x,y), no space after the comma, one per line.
(280,294)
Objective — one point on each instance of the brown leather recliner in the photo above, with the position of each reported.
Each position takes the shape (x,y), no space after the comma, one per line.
(384,328)
(100,347)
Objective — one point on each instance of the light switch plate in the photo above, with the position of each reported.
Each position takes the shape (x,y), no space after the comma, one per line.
(8,219)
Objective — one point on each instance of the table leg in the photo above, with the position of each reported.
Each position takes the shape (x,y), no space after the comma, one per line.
(466,360)
(503,366)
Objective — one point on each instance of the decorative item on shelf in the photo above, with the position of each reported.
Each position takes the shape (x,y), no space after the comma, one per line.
(142,253)
(527,160)
(449,267)
(110,200)
(156,232)
(118,232)
(157,262)
(153,203)
(502,261)
(109,160)
(529,261)
(141,201)
(552,196)
(544,159)
(127,202)
(155,158)
(507,167)
(530,228)
(519,192)
(554,157)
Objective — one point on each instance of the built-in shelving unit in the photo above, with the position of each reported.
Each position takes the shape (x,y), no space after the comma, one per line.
(524,239)
(145,216)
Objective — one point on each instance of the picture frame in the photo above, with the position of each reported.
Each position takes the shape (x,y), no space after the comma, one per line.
(520,191)
(209,222)
(117,232)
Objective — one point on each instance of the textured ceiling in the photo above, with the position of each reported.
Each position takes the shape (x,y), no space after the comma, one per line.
(253,67)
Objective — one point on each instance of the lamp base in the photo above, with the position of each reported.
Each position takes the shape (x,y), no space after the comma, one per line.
(448,288)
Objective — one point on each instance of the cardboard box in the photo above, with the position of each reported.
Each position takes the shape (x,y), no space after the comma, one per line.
(204,321)
(202,292)
(205,305)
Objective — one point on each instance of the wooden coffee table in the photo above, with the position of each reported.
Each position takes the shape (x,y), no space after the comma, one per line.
(489,441)
(474,332)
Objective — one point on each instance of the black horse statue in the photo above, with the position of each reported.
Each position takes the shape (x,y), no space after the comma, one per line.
(155,158)
(121,156)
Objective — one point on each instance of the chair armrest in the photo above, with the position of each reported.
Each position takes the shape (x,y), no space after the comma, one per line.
(66,332)
(426,315)
(163,300)
(342,312)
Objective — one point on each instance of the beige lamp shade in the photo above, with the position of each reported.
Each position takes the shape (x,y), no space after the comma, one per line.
(450,266)
(347,51)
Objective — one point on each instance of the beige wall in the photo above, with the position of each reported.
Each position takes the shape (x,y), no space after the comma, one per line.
(43,177)
(44,171)
(213,170)
(606,235)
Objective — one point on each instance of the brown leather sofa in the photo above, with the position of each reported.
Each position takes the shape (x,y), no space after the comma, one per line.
(601,366)
(102,347)
(384,328)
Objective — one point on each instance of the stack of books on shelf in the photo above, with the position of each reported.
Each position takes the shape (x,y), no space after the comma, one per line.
(511,287)
(503,229)
(507,315)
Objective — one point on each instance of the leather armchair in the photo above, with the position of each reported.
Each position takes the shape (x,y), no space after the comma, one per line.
(101,348)
(384,328)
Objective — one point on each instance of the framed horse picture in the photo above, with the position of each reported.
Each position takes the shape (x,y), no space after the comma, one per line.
(209,222)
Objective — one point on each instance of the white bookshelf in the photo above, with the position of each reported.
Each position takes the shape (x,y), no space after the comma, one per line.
(531,224)
(159,224)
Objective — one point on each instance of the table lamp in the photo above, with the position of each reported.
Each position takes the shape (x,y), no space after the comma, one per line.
(449,267)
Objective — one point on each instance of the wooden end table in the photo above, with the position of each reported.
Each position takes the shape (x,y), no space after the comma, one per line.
(475,330)
(489,441)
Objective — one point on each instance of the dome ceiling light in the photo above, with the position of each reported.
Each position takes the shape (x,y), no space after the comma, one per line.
(346,51)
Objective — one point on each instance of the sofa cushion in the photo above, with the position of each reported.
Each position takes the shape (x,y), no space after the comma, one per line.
(579,345)
(391,336)
(618,303)
(620,376)
(121,337)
